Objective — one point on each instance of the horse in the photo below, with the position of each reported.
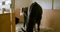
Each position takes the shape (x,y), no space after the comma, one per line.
(34,17)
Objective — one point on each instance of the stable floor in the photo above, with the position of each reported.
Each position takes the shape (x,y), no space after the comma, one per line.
(42,28)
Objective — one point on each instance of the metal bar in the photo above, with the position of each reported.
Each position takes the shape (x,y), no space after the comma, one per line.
(52,4)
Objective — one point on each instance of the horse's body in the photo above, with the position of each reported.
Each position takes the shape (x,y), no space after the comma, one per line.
(35,16)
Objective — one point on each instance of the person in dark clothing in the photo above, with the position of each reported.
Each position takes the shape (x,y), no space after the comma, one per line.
(35,16)
(25,16)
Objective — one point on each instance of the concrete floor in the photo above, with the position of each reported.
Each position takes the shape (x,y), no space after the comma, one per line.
(42,28)
(18,27)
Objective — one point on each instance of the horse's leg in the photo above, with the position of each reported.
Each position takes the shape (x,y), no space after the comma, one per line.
(30,25)
(39,22)
(38,25)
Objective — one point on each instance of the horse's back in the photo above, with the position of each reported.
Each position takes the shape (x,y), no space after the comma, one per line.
(36,10)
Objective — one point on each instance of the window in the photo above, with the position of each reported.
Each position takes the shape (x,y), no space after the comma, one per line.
(5,4)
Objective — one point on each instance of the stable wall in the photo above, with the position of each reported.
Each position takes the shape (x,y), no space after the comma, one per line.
(17,14)
(5,24)
(51,19)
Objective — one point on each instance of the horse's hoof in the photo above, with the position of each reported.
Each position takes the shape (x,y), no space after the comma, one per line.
(23,30)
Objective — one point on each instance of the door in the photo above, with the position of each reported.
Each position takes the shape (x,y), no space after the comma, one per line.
(7,16)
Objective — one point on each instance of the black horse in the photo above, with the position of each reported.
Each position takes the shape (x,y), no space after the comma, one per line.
(35,16)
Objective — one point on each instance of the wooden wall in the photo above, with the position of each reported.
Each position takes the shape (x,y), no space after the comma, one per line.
(17,14)
(51,18)
(5,24)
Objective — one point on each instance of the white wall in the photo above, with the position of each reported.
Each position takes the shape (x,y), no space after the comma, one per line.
(56,4)
(0,12)
(46,4)
(22,3)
